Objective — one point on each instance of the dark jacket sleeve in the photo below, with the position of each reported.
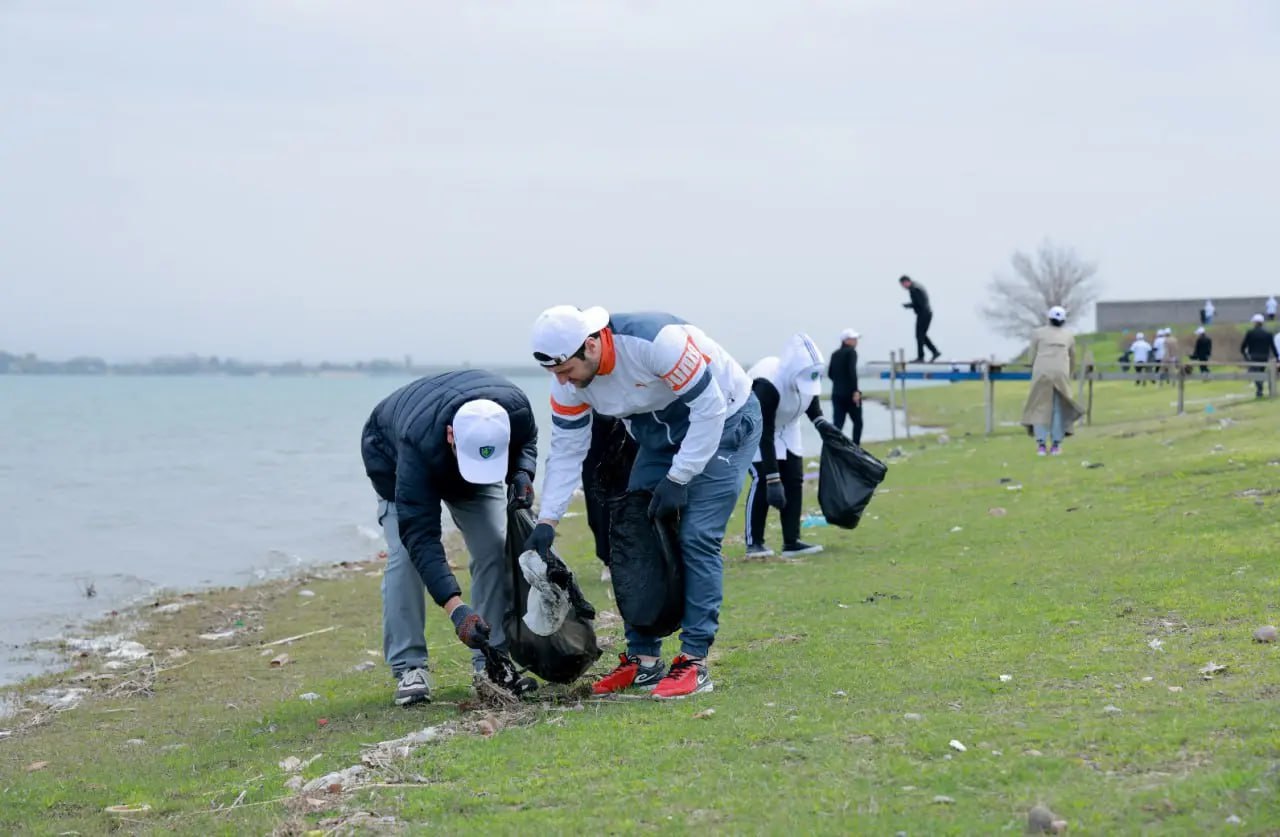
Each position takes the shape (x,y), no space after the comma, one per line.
(1244,346)
(524,444)
(852,361)
(767,393)
(418,508)
(919,299)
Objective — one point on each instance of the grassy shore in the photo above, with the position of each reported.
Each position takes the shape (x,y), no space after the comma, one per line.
(1053,619)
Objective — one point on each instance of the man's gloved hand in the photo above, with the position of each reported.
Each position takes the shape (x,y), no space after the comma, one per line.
(814,410)
(775,493)
(669,497)
(521,491)
(470,628)
(540,540)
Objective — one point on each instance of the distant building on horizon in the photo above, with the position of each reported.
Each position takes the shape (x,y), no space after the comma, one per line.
(1140,314)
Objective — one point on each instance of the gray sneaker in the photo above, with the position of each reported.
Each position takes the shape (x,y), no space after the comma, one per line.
(758,550)
(413,687)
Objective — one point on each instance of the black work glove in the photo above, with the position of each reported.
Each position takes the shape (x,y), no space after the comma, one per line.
(540,540)
(775,493)
(669,497)
(814,410)
(521,493)
(470,627)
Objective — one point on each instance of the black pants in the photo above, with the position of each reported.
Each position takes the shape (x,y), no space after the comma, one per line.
(841,406)
(791,470)
(1257,385)
(922,334)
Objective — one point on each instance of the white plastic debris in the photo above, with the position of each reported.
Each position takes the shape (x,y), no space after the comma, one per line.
(1156,644)
(548,602)
(309,697)
(306,594)
(338,781)
(1005,678)
(957,746)
(1112,710)
(213,636)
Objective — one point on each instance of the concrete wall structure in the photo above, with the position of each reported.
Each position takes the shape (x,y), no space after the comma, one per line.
(1154,313)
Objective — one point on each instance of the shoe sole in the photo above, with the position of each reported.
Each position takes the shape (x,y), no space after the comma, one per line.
(703,689)
(792,553)
(412,699)
(768,553)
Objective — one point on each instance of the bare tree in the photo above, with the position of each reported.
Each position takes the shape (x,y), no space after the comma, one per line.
(1054,275)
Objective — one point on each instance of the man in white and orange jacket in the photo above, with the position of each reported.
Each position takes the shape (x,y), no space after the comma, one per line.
(690,408)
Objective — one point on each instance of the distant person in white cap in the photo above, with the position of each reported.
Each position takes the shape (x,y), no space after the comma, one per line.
(468,441)
(689,406)
(1203,350)
(1050,410)
(1270,308)
(1141,352)
(924,317)
(1206,313)
(1258,346)
(846,396)
(787,387)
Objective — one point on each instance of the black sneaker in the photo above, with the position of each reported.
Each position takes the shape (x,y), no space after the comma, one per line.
(791,550)
(413,688)
(758,550)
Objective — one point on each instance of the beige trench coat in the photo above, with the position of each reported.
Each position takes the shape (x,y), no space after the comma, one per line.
(1053,351)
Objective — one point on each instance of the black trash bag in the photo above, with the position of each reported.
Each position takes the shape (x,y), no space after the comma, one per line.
(847,477)
(568,653)
(644,558)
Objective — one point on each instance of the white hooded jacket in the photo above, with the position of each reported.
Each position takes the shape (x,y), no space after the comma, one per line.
(796,375)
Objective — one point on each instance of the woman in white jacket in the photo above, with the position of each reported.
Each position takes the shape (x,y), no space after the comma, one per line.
(1050,410)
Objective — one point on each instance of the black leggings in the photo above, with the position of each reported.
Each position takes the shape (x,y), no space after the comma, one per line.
(791,470)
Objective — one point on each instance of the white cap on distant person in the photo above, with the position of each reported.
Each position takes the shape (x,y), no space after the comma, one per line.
(1057,312)
(849,334)
(562,329)
(1140,336)
(1257,318)
(481,436)
(1200,330)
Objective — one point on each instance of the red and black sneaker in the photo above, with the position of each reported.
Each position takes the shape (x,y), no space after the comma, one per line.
(687,677)
(630,674)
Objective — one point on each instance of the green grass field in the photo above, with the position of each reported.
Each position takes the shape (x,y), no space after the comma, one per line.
(1052,618)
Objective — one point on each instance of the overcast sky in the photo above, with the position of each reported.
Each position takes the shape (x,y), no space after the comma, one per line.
(273,180)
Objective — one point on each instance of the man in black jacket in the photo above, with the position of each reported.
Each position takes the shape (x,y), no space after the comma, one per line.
(449,440)
(1203,350)
(1258,346)
(846,398)
(924,316)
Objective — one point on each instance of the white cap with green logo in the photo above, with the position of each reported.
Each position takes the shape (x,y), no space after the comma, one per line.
(481,436)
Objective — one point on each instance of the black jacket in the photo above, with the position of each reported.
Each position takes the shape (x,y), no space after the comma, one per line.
(919,299)
(1258,344)
(410,462)
(843,372)
(1204,348)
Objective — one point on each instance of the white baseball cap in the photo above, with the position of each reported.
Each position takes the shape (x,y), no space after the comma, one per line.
(849,334)
(562,329)
(1200,330)
(1257,318)
(1057,312)
(481,436)
(809,382)
(1140,336)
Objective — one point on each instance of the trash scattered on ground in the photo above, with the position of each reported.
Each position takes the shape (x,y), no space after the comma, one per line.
(1267,633)
(310,697)
(281,660)
(1112,710)
(957,746)
(705,713)
(1210,669)
(214,636)
(1005,678)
